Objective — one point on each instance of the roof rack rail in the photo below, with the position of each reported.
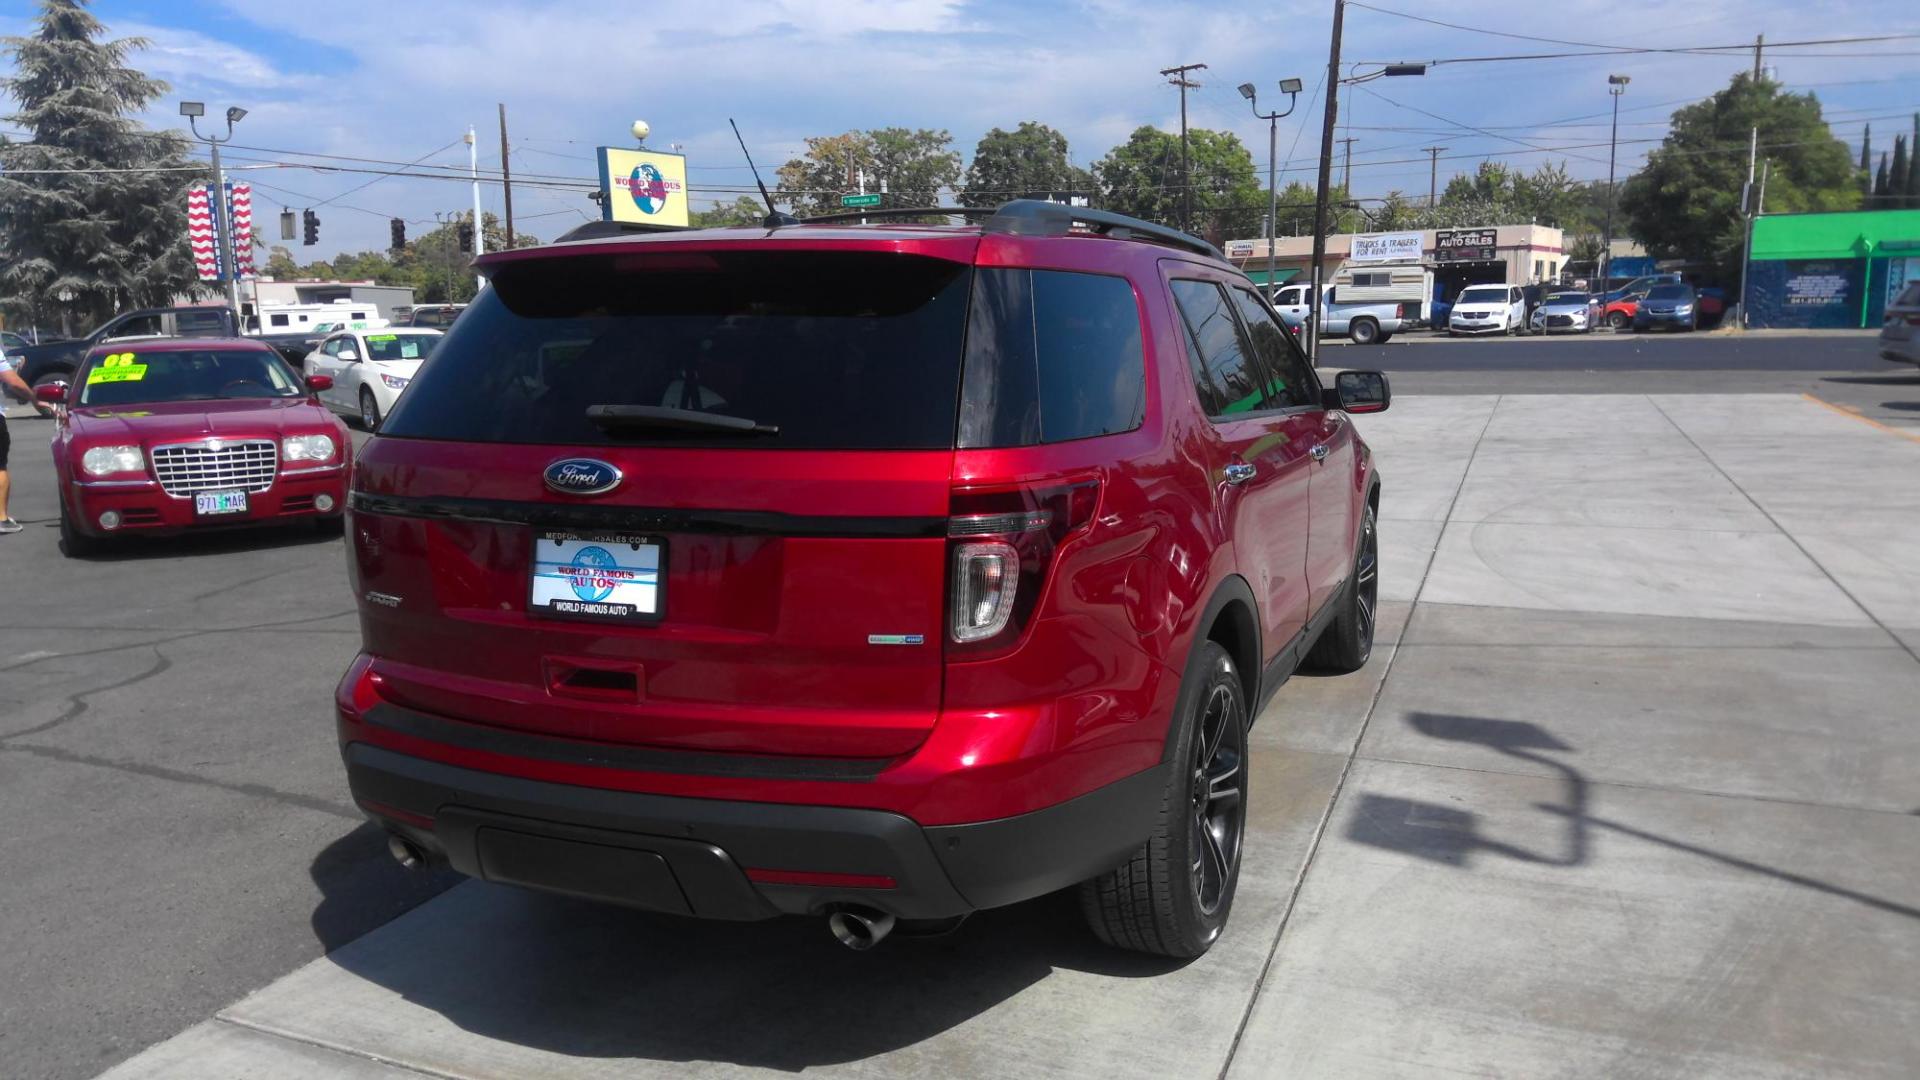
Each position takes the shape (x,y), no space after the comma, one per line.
(899,211)
(1034,217)
(600,230)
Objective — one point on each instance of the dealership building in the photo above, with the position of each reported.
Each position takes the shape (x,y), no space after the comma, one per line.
(1496,254)
(1830,271)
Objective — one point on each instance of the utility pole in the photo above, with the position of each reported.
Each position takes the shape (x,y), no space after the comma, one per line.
(218,201)
(1326,174)
(1179,79)
(1746,208)
(506,174)
(1616,85)
(473,164)
(1759,46)
(1433,172)
(1346,177)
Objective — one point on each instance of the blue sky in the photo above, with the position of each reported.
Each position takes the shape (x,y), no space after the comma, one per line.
(402,81)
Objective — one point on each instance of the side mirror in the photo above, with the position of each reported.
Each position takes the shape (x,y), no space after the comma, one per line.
(53,393)
(319,382)
(347,356)
(1359,392)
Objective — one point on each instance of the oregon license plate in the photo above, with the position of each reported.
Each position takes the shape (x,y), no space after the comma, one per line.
(220,502)
(598,576)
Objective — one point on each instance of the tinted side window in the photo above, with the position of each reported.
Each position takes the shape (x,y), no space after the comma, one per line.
(1291,383)
(197,322)
(143,326)
(1051,356)
(1228,379)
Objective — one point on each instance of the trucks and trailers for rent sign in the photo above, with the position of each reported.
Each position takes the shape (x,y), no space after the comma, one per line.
(1465,245)
(1386,247)
(643,186)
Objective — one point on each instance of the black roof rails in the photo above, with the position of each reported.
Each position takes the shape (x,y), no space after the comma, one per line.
(899,211)
(1035,217)
(600,230)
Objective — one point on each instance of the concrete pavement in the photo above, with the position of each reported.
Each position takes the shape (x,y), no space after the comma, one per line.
(1631,787)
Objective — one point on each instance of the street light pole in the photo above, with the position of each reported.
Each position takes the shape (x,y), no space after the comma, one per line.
(223,207)
(1616,85)
(1291,88)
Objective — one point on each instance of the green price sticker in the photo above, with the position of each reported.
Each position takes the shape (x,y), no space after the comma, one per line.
(383,337)
(116,368)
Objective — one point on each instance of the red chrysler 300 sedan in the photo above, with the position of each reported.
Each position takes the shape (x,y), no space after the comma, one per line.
(163,436)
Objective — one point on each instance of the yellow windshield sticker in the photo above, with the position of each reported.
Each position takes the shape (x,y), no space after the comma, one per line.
(115,368)
(382,337)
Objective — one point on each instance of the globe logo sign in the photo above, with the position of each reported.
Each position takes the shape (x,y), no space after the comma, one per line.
(592,574)
(649,189)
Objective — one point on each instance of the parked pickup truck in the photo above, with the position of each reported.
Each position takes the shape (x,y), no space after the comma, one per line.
(1365,322)
(56,361)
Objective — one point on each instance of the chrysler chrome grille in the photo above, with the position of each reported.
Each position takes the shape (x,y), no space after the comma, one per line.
(216,465)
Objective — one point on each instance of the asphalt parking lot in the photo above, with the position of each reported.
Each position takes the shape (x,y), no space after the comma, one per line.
(1634,790)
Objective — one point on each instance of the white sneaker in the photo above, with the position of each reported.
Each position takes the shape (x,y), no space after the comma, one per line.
(8,525)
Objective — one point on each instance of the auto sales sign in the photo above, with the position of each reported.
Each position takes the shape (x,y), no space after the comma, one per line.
(1387,247)
(643,186)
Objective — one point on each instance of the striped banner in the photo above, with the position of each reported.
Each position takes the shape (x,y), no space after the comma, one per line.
(240,200)
(200,234)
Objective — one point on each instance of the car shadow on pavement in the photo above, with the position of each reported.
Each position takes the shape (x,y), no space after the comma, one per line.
(589,980)
(1903,406)
(1452,837)
(210,544)
(1891,378)
(362,888)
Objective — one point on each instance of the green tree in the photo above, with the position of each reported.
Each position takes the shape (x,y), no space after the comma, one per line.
(745,210)
(93,208)
(1141,177)
(1897,176)
(914,166)
(1913,166)
(1880,186)
(1685,204)
(1866,162)
(1032,158)
(814,183)
(280,265)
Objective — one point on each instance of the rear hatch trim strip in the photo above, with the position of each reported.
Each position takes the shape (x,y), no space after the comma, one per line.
(650,519)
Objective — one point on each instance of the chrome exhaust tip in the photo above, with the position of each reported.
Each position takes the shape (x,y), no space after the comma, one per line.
(860,929)
(406,852)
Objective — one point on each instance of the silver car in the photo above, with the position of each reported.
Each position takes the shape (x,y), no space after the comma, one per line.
(1566,313)
(1900,335)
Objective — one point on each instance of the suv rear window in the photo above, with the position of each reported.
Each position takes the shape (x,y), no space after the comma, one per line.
(838,350)
(1051,356)
(1669,292)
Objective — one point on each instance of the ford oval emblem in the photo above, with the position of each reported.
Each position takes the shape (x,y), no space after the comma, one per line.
(582,476)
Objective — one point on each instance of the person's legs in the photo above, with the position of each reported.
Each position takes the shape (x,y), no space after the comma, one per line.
(6,519)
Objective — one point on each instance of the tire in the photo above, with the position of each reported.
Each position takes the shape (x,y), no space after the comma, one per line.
(369,410)
(73,543)
(1347,643)
(1363,331)
(1163,899)
(1618,321)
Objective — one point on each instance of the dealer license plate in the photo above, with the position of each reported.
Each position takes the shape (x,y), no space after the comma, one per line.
(598,576)
(220,502)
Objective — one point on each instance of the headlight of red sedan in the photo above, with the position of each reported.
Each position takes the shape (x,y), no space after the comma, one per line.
(108,460)
(307,448)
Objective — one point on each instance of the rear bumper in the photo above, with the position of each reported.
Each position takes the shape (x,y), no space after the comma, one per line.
(145,508)
(727,859)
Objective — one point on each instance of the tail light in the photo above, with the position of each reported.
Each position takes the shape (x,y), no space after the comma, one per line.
(1399,311)
(1001,543)
(1913,320)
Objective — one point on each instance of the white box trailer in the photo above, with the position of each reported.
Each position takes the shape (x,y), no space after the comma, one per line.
(296,318)
(1391,283)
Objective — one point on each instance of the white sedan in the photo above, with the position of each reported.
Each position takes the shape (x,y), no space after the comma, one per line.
(369,368)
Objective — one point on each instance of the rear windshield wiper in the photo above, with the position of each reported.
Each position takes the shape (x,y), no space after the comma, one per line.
(619,419)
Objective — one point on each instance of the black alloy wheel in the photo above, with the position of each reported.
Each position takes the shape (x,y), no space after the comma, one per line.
(1216,804)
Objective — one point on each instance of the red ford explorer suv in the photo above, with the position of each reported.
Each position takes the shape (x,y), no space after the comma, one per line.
(167,435)
(882,573)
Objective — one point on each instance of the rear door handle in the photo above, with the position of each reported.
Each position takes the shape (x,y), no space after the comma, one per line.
(1239,472)
(1319,452)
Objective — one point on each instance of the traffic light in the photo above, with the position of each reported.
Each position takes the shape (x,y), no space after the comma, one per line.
(466,236)
(312,222)
(399,230)
(286,224)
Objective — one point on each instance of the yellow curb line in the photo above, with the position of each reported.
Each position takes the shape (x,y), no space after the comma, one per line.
(1854,414)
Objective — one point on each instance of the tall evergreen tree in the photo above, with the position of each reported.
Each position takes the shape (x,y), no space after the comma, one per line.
(1897,176)
(1913,167)
(1880,184)
(1866,162)
(93,212)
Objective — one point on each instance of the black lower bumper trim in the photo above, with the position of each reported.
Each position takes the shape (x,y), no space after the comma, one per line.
(686,855)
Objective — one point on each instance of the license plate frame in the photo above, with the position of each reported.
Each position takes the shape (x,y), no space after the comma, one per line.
(552,593)
(219,503)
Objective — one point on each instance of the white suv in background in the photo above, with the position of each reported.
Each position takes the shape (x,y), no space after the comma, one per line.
(1488,309)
